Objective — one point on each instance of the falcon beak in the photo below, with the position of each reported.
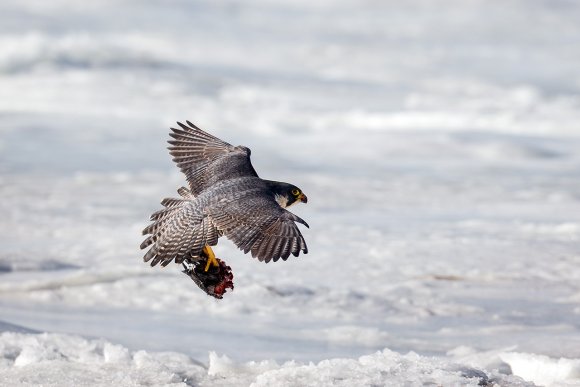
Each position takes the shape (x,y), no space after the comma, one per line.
(303,198)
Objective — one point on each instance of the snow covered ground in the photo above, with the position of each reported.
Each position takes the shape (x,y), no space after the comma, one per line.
(438,144)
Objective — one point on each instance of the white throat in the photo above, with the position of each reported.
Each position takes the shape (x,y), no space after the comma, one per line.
(282,200)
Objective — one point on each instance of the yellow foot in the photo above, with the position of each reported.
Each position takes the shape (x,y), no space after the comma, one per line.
(211,259)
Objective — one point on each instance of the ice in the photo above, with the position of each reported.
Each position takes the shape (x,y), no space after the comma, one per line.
(437,143)
(64,360)
(542,369)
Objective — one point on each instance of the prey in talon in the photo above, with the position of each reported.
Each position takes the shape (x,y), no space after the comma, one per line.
(225,197)
(212,276)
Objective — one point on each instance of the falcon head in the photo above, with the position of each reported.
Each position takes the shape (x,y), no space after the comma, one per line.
(287,194)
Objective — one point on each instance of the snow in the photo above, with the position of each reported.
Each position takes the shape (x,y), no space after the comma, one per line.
(437,144)
(33,359)
(542,369)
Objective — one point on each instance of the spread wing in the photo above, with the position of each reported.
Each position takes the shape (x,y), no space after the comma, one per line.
(205,159)
(257,224)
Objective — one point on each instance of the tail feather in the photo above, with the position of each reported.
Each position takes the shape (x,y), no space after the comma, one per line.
(178,231)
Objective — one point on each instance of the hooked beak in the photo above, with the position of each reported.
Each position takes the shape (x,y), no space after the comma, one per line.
(303,198)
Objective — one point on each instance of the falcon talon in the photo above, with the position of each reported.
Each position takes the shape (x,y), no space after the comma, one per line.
(211,259)
(226,197)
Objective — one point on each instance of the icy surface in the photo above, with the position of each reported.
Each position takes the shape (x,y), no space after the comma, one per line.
(438,144)
(64,360)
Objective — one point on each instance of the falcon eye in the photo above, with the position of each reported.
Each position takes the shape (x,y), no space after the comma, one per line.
(295,192)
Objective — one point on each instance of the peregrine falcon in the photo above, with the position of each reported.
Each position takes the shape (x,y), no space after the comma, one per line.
(225,197)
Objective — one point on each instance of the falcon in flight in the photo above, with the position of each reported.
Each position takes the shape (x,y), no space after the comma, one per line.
(225,197)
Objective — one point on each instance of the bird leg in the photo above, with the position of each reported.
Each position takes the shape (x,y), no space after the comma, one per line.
(211,259)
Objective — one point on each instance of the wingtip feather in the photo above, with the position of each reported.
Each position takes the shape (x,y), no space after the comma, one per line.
(184,127)
(192,125)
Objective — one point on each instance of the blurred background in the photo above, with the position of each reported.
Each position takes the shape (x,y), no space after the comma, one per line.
(438,144)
